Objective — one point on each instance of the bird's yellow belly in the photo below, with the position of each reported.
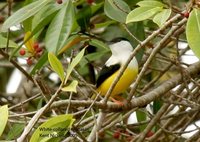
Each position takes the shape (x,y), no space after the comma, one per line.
(125,81)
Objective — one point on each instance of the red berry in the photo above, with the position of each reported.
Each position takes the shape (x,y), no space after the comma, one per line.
(38,50)
(29,61)
(186,14)
(149,134)
(36,45)
(116,135)
(1,19)
(22,52)
(90,1)
(59,1)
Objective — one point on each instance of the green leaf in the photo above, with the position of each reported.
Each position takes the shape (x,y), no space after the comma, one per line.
(54,129)
(27,24)
(15,131)
(56,65)
(99,44)
(23,14)
(116,10)
(137,29)
(41,62)
(92,57)
(141,116)
(96,7)
(74,62)
(3,43)
(157,104)
(3,118)
(162,17)
(193,31)
(71,87)
(105,24)
(71,41)
(60,28)
(150,3)
(42,18)
(96,55)
(142,13)
(83,16)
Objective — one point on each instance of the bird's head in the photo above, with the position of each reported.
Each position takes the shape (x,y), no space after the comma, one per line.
(120,46)
(121,50)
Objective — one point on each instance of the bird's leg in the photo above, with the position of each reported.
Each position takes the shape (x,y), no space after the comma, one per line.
(119,101)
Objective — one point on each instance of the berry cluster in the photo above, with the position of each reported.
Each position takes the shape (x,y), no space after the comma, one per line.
(36,53)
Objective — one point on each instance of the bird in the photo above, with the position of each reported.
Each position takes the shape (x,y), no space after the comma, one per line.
(121,50)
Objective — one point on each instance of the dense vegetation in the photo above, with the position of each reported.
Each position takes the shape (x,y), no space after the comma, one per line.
(59,47)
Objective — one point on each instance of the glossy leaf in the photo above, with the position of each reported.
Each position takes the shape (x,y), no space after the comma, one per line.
(193,31)
(162,17)
(151,3)
(116,10)
(71,87)
(142,13)
(60,28)
(3,43)
(3,118)
(56,65)
(54,129)
(74,62)
(23,14)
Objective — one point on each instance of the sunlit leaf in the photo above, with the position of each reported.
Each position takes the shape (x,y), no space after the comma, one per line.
(3,118)
(116,10)
(142,13)
(162,17)
(56,65)
(193,31)
(3,43)
(54,129)
(71,87)
(152,3)
(29,42)
(60,28)
(74,62)
(24,13)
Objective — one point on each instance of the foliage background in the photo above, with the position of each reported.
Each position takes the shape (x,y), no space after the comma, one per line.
(73,41)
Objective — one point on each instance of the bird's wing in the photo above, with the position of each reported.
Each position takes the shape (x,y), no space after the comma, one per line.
(106,72)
